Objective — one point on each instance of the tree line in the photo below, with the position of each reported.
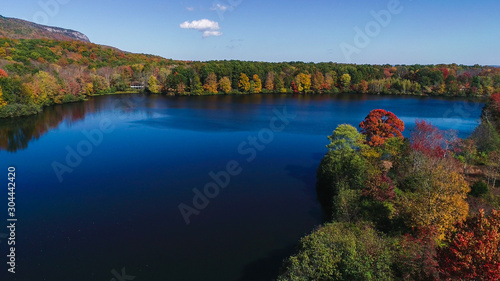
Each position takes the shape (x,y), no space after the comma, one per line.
(37,72)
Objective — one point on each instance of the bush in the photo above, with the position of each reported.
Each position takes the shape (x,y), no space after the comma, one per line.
(479,188)
(17,110)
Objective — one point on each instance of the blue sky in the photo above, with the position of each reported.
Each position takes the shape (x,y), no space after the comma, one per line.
(418,31)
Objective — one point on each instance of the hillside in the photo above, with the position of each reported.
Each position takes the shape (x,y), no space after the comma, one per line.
(20,29)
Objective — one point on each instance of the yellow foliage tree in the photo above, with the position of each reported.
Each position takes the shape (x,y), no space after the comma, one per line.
(153,86)
(2,102)
(211,83)
(257,84)
(439,198)
(345,81)
(225,85)
(244,83)
(303,82)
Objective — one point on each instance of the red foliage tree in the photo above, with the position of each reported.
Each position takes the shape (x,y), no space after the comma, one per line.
(495,99)
(3,73)
(380,187)
(381,125)
(432,141)
(294,87)
(473,250)
(416,255)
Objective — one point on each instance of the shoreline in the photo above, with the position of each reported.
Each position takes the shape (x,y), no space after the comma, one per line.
(36,109)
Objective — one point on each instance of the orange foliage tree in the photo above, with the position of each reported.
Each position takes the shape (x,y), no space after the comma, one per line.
(3,73)
(381,125)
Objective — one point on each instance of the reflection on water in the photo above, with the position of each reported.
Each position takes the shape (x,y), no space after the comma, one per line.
(16,134)
(238,113)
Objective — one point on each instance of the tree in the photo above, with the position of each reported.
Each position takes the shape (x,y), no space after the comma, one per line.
(472,250)
(342,168)
(153,85)
(257,84)
(196,87)
(381,125)
(431,141)
(345,137)
(211,83)
(345,81)
(244,83)
(330,80)
(340,251)
(318,81)
(486,137)
(2,102)
(270,81)
(3,73)
(434,194)
(415,256)
(225,85)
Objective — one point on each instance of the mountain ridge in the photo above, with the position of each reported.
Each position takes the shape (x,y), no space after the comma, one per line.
(15,28)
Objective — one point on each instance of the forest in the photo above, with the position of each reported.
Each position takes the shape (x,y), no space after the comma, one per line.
(35,73)
(417,208)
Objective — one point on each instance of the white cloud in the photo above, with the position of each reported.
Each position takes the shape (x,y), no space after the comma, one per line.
(190,9)
(208,27)
(219,7)
(209,33)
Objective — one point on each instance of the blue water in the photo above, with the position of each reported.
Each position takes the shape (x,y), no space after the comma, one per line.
(118,206)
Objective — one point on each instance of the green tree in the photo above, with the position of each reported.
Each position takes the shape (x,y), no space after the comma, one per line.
(340,251)
(341,168)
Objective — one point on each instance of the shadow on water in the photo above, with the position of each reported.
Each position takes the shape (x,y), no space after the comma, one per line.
(267,268)
(307,175)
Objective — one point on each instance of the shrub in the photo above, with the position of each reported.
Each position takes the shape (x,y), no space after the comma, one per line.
(479,188)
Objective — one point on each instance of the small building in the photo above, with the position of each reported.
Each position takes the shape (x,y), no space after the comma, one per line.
(137,86)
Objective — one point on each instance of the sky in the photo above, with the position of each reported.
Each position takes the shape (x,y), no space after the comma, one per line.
(362,31)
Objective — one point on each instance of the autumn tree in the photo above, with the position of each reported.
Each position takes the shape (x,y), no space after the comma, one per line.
(430,140)
(472,250)
(269,85)
(330,80)
(434,193)
(2,102)
(211,83)
(257,84)
(318,81)
(244,83)
(225,85)
(153,86)
(381,125)
(3,73)
(345,81)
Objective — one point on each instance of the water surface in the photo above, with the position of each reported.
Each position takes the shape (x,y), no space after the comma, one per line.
(117,207)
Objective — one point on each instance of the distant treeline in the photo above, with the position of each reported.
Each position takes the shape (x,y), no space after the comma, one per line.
(38,73)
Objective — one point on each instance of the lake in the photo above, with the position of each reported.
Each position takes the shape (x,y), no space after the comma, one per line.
(99,183)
